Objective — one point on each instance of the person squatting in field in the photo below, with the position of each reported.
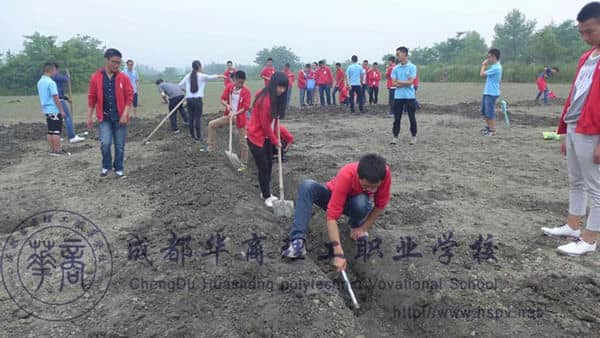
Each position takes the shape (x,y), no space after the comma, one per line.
(350,193)
(171,93)
(542,84)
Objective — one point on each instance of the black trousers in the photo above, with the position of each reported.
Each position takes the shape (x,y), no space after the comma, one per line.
(263,156)
(391,99)
(373,95)
(359,94)
(411,107)
(173,102)
(195,109)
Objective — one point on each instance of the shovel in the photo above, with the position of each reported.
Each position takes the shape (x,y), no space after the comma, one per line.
(350,291)
(147,139)
(231,156)
(281,207)
(504,107)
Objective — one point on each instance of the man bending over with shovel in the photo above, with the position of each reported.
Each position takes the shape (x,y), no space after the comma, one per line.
(350,193)
(237,99)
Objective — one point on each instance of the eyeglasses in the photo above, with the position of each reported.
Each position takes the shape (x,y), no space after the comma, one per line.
(116,62)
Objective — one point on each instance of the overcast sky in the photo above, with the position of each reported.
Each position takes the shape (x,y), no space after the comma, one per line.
(173,33)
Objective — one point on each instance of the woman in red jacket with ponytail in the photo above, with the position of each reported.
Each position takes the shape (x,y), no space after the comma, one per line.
(269,106)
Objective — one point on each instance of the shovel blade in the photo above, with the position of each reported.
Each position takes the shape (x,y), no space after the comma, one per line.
(233,159)
(283,208)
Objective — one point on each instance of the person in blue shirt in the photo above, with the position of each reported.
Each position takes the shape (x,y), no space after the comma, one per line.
(355,74)
(135,83)
(61,79)
(51,108)
(491,69)
(403,77)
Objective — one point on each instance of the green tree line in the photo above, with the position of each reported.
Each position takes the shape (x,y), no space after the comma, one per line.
(525,51)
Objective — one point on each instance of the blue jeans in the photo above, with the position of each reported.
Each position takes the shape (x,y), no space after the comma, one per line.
(327,91)
(289,96)
(335,90)
(68,119)
(488,107)
(311,192)
(302,94)
(112,131)
(309,96)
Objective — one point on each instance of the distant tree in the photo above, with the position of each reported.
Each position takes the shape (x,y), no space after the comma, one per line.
(280,55)
(513,36)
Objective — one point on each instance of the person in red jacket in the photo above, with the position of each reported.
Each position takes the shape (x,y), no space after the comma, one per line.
(237,99)
(228,74)
(111,95)
(291,79)
(363,82)
(373,79)
(580,121)
(302,79)
(390,83)
(344,98)
(340,78)
(286,141)
(269,106)
(268,71)
(324,81)
(350,193)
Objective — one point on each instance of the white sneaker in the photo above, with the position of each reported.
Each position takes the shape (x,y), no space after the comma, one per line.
(394,140)
(120,174)
(413,140)
(269,201)
(562,231)
(76,139)
(577,248)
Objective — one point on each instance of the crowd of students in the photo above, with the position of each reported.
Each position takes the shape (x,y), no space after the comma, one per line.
(112,93)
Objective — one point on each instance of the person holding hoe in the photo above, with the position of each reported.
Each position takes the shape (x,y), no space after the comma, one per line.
(269,106)
(236,98)
(350,193)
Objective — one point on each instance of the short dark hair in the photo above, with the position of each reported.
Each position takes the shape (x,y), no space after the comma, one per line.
(495,52)
(392,58)
(354,58)
(56,65)
(372,168)
(338,64)
(402,50)
(229,62)
(112,52)
(48,66)
(269,59)
(375,64)
(129,60)
(159,81)
(365,61)
(240,74)
(307,65)
(589,11)
(321,62)
(287,65)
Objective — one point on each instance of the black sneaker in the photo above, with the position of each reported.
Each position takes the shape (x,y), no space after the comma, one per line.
(296,249)
(484,130)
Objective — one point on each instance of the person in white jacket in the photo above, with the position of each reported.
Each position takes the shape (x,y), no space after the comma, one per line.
(193,84)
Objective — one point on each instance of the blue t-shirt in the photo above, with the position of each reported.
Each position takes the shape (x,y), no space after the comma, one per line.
(492,81)
(403,73)
(47,89)
(133,77)
(354,73)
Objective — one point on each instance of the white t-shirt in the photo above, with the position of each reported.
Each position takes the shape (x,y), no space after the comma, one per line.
(581,89)
(202,79)
(235,100)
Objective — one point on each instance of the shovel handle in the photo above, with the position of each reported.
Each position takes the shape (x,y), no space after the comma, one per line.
(282,198)
(350,291)
(163,121)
